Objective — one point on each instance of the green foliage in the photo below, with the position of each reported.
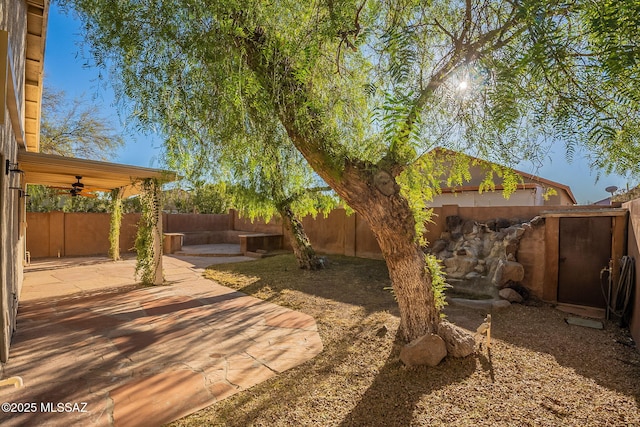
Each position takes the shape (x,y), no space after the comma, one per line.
(199,197)
(358,87)
(114,224)
(148,231)
(44,199)
(566,70)
(438,281)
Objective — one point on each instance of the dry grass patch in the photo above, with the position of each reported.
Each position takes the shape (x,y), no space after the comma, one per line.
(540,371)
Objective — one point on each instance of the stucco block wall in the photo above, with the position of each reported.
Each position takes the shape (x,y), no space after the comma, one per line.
(86,235)
(257,226)
(178,223)
(76,234)
(485,213)
(531,254)
(338,233)
(633,250)
(328,234)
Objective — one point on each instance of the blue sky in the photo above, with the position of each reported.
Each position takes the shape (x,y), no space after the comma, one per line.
(65,70)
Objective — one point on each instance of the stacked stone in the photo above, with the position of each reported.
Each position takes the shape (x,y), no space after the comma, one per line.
(484,253)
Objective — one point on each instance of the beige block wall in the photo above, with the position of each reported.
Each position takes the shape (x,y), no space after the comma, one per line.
(55,234)
(531,254)
(336,234)
(633,250)
(256,226)
(177,223)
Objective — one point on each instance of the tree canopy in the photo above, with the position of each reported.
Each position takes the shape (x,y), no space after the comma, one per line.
(72,128)
(365,89)
(75,128)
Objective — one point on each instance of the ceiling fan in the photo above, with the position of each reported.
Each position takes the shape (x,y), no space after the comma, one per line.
(77,189)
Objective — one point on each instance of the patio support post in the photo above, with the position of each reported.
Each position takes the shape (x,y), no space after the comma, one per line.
(115,222)
(149,238)
(158,278)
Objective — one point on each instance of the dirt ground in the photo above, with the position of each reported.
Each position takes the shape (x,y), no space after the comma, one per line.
(540,371)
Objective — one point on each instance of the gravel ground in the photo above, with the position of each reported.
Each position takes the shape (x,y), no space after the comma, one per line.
(540,371)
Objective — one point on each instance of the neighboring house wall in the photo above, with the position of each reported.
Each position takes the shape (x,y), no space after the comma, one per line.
(527,197)
(13,18)
(531,191)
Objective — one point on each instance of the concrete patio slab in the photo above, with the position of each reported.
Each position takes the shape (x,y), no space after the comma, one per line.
(96,350)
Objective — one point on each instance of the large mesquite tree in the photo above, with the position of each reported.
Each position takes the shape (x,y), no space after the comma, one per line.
(262,173)
(366,88)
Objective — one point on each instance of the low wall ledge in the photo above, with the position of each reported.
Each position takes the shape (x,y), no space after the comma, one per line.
(584,213)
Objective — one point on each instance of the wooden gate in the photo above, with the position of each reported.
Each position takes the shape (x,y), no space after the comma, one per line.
(585,249)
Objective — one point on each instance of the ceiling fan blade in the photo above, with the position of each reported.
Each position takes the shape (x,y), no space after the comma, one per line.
(97,189)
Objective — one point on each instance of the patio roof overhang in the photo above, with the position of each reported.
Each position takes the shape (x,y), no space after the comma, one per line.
(58,171)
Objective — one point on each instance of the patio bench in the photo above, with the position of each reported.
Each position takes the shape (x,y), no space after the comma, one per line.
(172,242)
(260,242)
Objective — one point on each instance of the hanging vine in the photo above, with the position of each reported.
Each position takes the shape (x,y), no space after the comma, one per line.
(149,235)
(114,225)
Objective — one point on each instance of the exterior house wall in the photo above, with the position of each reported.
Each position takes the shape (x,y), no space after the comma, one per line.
(13,18)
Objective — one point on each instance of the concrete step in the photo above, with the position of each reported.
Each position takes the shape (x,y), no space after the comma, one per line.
(182,253)
(217,250)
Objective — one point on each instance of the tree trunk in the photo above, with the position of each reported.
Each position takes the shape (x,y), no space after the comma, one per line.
(393,225)
(367,188)
(306,256)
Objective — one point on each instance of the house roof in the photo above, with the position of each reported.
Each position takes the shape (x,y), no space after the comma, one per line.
(37,17)
(526,176)
(62,172)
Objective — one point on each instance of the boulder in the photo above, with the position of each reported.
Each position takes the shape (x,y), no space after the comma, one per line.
(428,350)
(537,221)
(511,248)
(502,223)
(514,232)
(438,246)
(460,264)
(500,304)
(459,342)
(453,221)
(510,295)
(469,227)
(472,249)
(506,271)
